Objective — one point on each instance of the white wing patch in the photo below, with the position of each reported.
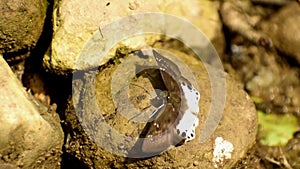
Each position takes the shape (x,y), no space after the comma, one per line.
(188,123)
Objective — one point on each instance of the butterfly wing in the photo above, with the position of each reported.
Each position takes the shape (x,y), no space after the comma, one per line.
(189,98)
(160,133)
(178,120)
(169,71)
(171,76)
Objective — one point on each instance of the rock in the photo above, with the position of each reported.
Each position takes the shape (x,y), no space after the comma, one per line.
(283,29)
(75,21)
(21,24)
(237,128)
(30,134)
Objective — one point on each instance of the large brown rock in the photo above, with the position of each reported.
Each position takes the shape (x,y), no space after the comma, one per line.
(237,127)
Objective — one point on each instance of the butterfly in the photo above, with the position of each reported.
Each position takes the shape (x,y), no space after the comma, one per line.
(175,121)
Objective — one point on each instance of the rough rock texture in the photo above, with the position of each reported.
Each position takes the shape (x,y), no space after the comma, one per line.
(284,30)
(21,24)
(75,21)
(30,134)
(238,125)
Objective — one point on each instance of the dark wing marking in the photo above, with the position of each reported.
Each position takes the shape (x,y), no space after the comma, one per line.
(160,134)
(167,65)
(169,71)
